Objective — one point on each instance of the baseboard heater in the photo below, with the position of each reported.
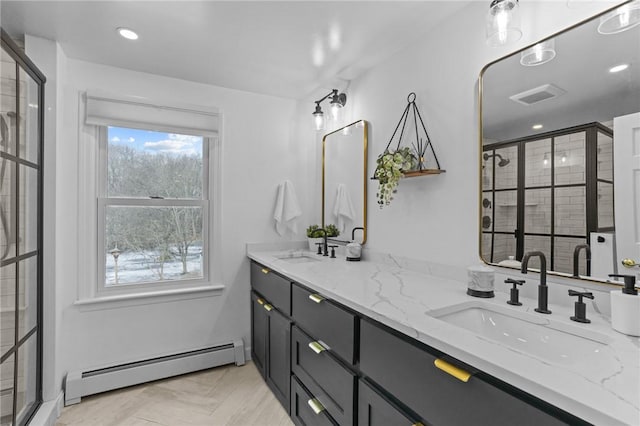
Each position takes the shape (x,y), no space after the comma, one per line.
(82,383)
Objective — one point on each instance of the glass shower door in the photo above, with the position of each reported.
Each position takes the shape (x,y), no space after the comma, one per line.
(21,94)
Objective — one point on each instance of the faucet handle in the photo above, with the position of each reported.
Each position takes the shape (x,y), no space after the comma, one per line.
(319,247)
(581,294)
(580,314)
(514,282)
(333,251)
(515,295)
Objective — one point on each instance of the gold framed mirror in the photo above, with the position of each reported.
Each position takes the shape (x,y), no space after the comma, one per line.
(344,181)
(552,126)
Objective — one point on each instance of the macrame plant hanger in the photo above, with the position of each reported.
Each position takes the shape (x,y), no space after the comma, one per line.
(421,145)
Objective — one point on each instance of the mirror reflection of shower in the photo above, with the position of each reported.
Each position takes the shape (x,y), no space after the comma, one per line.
(502,161)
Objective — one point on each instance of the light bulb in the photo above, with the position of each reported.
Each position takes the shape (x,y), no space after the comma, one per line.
(319,121)
(335,111)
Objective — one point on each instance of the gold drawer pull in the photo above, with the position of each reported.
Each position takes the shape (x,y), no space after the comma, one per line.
(317,347)
(315,405)
(417,424)
(265,270)
(260,302)
(451,369)
(316,298)
(268,307)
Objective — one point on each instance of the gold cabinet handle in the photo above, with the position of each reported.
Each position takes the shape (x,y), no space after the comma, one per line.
(260,302)
(317,347)
(265,270)
(315,405)
(268,307)
(316,298)
(417,424)
(451,369)
(629,263)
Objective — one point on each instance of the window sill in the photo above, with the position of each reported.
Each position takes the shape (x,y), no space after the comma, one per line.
(135,299)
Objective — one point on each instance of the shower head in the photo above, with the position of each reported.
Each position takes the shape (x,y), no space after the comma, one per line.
(501,163)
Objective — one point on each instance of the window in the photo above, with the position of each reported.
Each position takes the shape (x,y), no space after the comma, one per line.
(153,209)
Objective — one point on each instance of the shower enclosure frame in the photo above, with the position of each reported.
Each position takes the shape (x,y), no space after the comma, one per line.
(590,184)
(23,63)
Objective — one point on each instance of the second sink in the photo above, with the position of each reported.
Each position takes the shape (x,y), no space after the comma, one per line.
(544,338)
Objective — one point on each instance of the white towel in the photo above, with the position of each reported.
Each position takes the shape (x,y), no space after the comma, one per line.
(343,208)
(287,209)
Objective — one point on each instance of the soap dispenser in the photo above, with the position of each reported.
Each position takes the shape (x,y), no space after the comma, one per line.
(625,307)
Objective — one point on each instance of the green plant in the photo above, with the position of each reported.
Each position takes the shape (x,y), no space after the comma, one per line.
(332,230)
(314,231)
(390,166)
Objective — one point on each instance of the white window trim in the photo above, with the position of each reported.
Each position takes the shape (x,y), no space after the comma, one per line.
(92,175)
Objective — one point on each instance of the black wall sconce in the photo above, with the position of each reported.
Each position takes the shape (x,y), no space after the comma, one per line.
(338,100)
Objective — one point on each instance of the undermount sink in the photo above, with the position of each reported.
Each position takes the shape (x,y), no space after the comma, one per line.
(529,333)
(299,257)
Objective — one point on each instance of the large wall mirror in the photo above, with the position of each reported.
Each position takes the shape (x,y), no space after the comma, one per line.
(344,181)
(560,154)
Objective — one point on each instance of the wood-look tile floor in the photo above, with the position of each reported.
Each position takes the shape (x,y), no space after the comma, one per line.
(227,395)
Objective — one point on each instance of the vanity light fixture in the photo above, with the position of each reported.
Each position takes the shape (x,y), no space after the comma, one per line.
(618,68)
(503,22)
(620,19)
(539,54)
(537,126)
(338,100)
(127,33)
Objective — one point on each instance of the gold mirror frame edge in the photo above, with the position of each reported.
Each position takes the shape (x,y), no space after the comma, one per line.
(480,138)
(364,171)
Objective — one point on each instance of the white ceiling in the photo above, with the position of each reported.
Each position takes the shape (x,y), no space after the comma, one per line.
(289,49)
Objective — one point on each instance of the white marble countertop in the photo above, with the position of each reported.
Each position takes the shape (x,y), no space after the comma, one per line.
(603,390)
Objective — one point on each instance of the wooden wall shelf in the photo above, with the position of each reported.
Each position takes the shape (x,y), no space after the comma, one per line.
(414,173)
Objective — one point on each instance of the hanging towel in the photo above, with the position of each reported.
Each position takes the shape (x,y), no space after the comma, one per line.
(287,209)
(343,208)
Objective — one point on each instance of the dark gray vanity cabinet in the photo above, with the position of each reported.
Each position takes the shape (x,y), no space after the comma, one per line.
(376,410)
(271,330)
(259,328)
(323,353)
(330,365)
(325,320)
(409,372)
(305,408)
(270,346)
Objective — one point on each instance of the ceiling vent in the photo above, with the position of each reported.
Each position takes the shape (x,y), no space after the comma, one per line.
(538,94)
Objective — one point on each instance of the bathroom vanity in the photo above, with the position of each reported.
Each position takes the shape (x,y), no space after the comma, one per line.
(375,343)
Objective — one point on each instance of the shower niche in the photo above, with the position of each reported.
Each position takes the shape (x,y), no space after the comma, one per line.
(21,152)
(547,192)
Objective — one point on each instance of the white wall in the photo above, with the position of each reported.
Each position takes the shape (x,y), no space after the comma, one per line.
(435,218)
(258,151)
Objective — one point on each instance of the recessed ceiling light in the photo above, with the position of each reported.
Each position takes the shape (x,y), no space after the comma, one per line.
(619,68)
(127,33)
(537,126)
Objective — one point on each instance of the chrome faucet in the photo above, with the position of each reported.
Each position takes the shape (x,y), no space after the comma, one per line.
(543,290)
(576,259)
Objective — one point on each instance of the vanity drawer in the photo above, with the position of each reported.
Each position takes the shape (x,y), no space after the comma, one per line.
(275,288)
(326,321)
(302,411)
(408,373)
(331,383)
(375,410)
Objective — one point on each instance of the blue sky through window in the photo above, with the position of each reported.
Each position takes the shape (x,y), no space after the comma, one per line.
(156,142)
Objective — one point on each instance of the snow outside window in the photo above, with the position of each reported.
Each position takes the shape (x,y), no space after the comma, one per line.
(152,210)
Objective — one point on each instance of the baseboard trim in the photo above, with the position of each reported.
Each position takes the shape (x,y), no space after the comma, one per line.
(48,412)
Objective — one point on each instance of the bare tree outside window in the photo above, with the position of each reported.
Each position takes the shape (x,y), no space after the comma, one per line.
(148,172)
